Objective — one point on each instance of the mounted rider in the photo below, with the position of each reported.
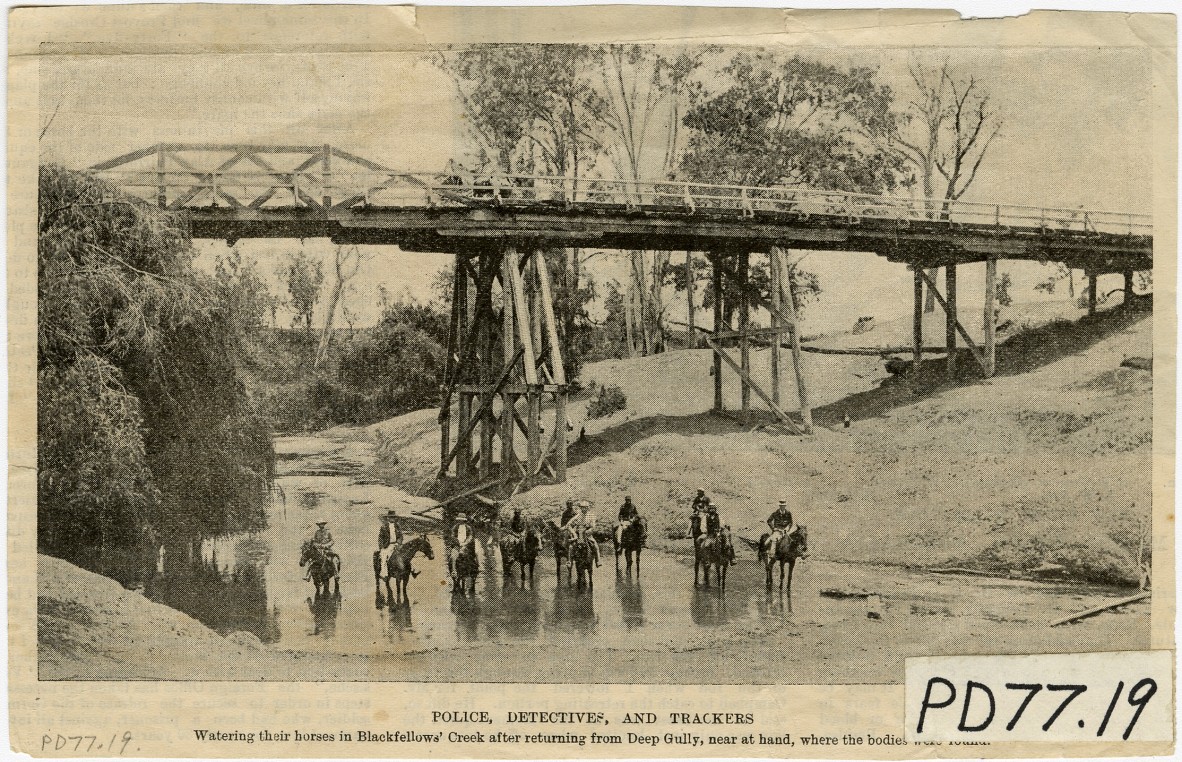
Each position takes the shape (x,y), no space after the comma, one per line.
(780,524)
(390,537)
(517,523)
(579,527)
(461,535)
(322,541)
(568,514)
(714,526)
(628,515)
(698,517)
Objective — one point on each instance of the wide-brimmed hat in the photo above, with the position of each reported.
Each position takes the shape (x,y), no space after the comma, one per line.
(584,504)
(461,517)
(702,490)
(391,514)
(783,503)
(321,523)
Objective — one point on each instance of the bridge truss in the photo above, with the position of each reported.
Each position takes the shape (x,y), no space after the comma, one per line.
(504,349)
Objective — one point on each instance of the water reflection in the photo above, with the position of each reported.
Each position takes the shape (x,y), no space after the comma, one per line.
(775,604)
(631,597)
(220,582)
(324,610)
(708,607)
(573,610)
(398,623)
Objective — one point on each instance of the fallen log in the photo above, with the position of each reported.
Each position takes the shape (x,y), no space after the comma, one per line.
(833,592)
(970,572)
(1098,609)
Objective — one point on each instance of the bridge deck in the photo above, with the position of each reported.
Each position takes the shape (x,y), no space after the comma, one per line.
(308,191)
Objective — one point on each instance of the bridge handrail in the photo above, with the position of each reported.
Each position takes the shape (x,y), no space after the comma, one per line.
(442,188)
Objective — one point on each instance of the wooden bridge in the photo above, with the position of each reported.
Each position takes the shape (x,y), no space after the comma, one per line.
(497,226)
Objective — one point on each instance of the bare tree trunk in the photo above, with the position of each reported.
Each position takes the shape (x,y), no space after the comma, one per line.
(657,301)
(628,338)
(692,343)
(329,317)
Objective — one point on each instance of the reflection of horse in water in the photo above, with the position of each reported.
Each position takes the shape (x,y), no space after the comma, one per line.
(520,549)
(322,569)
(786,551)
(573,610)
(399,617)
(396,565)
(631,597)
(520,611)
(774,605)
(713,550)
(467,611)
(708,609)
(630,544)
(324,610)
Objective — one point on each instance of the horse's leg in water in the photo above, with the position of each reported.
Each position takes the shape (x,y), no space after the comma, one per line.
(377,570)
(791,566)
(767,565)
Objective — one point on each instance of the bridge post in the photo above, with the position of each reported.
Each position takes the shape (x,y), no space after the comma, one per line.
(689,299)
(509,352)
(744,264)
(777,324)
(464,351)
(162,188)
(1128,288)
(326,169)
(990,324)
(1093,284)
(917,321)
(950,317)
(716,274)
(488,267)
(789,303)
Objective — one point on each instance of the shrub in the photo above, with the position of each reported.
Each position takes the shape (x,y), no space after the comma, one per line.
(610,400)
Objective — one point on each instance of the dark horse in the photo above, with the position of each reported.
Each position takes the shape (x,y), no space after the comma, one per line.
(583,558)
(521,549)
(397,567)
(630,544)
(787,550)
(465,567)
(713,550)
(322,568)
(562,549)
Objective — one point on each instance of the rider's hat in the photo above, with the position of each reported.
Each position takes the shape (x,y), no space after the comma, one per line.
(391,514)
(783,503)
(702,490)
(584,504)
(321,523)
(461,517)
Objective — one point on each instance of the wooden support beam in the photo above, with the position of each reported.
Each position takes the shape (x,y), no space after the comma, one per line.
(509,351)
(463,446)
(1093,278)
(935,292)
(990,323)
(485,406)
(461,495)
(951,319)
(554,346)
(917,321)
(689,298)
(524,329)
(560,436)
(774,269)
(533,435)
(1128,288)
(453,339)
(789,309)
(489,264)
(716,274)
(744,323)
(721,353)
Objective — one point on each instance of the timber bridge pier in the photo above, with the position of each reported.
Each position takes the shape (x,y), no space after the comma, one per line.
(497,226)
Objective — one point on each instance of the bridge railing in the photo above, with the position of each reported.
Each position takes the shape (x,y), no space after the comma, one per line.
(342,190)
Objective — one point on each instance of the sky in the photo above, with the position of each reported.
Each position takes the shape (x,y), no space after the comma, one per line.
(1077,132)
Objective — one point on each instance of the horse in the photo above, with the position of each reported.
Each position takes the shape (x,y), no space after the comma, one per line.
(322,568)
(562,554)
(528,550)
(583,559)
(787,550)
(521,549)
(713,550)
(397,567)
(630,543)
(465,567)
